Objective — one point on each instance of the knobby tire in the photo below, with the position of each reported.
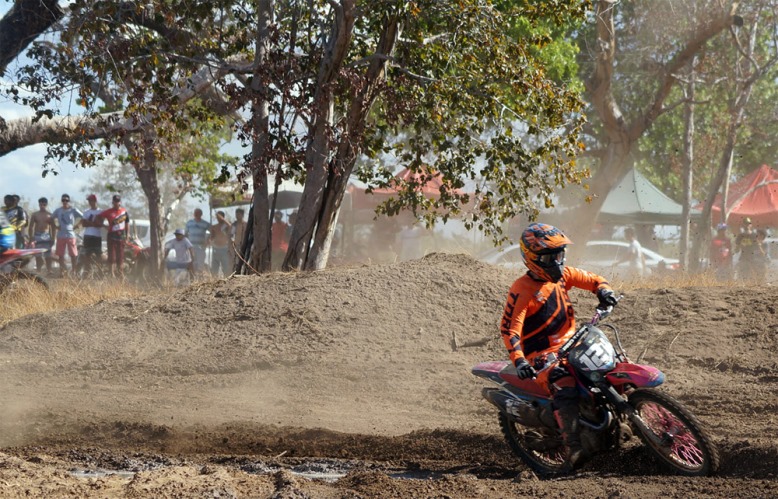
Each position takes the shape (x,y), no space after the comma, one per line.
(688,449)
(546,464)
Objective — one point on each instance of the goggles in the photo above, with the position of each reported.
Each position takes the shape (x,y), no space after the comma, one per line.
(556,257)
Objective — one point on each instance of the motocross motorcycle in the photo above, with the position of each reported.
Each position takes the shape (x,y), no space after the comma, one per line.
(137,262)
(617,399)
(12,273)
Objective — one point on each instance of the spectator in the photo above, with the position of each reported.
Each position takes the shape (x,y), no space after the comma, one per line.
(721,254)
(290,225)
(65,218)
(278,243)
(634,256)
(92,251)
(197,233)
(220,243)
(41,233)
(238,234)
(184,253)
(7,234)
(748,249)
(118,234)
(761,256)
(16,216)
(647,237)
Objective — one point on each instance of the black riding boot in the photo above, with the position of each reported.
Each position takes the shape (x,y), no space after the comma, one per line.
(566,414)
(569,425)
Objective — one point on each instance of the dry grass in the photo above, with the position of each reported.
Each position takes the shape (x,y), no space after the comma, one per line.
(679,280)
(62,295)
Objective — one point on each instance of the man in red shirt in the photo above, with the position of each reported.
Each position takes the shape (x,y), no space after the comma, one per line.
(118,233)
(721,253)
(278,242)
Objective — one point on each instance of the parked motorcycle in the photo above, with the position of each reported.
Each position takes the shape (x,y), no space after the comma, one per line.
(617,399)
(137,262)
(12,273)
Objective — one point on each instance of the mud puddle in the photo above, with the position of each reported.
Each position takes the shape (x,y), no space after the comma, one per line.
(328,470)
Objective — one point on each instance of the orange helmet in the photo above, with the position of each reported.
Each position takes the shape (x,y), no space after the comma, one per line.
(543,249)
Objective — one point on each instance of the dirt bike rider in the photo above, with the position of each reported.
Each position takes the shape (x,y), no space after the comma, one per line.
(538,319)
(7,233)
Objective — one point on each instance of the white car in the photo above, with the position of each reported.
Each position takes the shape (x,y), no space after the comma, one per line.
(601,257)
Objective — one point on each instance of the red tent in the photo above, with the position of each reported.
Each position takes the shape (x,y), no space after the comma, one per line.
(430,188)
(754,196)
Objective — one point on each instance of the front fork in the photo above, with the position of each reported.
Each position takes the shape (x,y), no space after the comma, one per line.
(624,407)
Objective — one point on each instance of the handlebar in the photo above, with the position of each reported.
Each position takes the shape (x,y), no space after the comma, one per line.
(599,314)
(552,358)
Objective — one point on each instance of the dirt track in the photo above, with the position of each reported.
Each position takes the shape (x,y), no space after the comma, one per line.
(227,388)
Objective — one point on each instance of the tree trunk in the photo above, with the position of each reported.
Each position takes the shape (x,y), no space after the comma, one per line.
(317,155)
(737,112)
(621,136)
(688,162)
(260,228)
(345,158)
(146,169)
(614,166)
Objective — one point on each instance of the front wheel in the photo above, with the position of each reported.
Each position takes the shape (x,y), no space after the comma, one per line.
(676,437)
(544,453)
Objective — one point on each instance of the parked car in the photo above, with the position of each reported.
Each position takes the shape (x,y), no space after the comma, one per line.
(600,257)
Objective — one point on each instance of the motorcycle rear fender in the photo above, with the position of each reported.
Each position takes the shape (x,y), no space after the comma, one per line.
(503,373)
(638,375)
(23,254)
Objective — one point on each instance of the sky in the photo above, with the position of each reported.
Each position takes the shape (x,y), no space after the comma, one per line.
(20,170)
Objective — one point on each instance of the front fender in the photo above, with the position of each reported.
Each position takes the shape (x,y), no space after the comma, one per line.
(638,375)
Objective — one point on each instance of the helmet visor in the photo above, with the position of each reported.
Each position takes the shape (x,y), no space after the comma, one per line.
(556,257)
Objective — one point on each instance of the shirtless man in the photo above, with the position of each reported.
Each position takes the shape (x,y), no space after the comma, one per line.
(41,233)
(220,244)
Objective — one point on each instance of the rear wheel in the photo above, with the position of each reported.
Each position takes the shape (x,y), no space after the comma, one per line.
(544,453)
(677,438)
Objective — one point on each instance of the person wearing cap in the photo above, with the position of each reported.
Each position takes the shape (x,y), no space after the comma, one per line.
(16,216)
(118,234)
(65,218)
(92,252)
(185,253)
(721,254)
(41,233)
(747,248)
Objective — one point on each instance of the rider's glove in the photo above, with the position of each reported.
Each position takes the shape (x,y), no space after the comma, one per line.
(607,298)
(524,370)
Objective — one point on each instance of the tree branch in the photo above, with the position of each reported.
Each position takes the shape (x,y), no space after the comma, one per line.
(27,131)
(724,20)
(22,24)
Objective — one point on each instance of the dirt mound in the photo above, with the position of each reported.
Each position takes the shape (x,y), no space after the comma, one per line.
(226,386)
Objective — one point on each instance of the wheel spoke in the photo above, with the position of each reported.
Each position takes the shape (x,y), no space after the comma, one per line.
(680,444)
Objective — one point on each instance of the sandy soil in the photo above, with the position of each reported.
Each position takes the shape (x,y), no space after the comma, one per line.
(255,386)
